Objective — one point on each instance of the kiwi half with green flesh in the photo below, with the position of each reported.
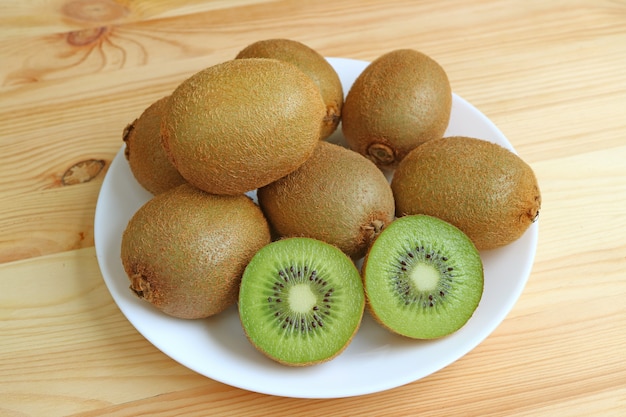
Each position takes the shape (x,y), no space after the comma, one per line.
(482,188)
(184,254)
(312,64)
(401,100)
(301,301)
(423,277)
(337,196)
(146,157)
(241,124)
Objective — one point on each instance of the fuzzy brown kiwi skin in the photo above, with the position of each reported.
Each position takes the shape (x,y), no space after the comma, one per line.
(184,254)
(241,124)
(313,64)
(146,157)
(337,196)
(401,100)
(485,190)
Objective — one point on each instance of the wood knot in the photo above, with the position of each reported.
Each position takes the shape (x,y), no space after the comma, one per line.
(86,36)
(83,171)
(94,10)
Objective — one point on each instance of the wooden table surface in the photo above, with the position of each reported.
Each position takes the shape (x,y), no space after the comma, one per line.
(73,73)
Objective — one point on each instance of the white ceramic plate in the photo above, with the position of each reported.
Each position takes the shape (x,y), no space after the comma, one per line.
(375,361)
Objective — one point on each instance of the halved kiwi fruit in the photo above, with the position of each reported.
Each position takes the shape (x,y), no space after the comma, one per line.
(301,301)
(423,277)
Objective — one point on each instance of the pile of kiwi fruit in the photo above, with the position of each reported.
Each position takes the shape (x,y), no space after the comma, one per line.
(254,206)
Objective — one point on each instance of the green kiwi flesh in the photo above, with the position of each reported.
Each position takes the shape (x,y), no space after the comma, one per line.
(146,157)
(423,277)
(301,301)
(184,254)
(312,64)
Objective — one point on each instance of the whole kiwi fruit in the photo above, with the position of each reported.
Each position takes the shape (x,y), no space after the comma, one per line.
(313,64)
(146,157)
(400,100)
(423,277)
(241,124)
(301,301)
(482,188)
(184,254)
(337,196)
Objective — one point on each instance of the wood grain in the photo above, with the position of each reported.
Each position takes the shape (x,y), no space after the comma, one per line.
(60,337)
(73,73)
(60,16)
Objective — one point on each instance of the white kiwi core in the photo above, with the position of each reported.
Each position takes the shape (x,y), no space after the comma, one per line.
(301,298)
(425,277)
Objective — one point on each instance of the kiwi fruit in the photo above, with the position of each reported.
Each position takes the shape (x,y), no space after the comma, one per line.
(184,254)
(400,100)
(423,278)
(482,188)
(301,301)
(146,157)
(312,64)
(241,124)
(337,196)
